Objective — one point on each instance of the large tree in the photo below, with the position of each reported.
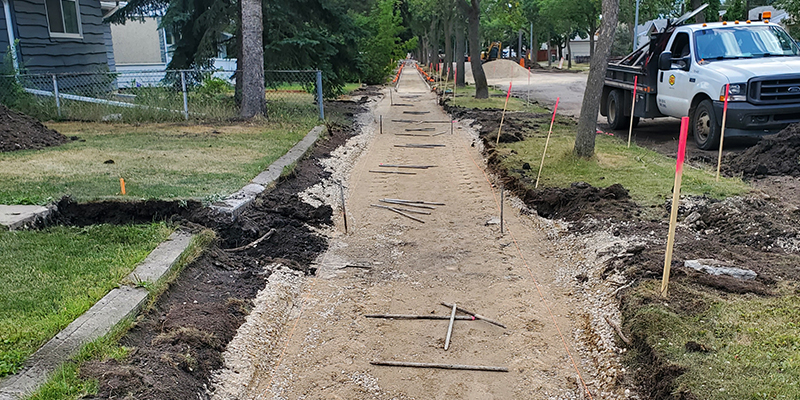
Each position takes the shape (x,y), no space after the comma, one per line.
(473,10)
(587,123)
(251,60)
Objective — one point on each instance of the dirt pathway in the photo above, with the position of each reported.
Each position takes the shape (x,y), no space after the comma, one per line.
(326,345)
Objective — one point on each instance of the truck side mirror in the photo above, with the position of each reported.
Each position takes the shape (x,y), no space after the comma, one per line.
(665,61)
(686,63)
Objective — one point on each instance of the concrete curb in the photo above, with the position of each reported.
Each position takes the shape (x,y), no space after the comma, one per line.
(235,203)
(116,306)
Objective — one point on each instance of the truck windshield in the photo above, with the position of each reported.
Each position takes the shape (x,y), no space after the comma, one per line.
(747,41)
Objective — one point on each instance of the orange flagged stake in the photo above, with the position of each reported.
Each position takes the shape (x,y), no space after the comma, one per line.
(503,116)
(722,132)
(552,120)
(633,107)
(676,198)
(122,186)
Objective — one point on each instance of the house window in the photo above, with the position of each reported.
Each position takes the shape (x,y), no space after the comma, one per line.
(63,18)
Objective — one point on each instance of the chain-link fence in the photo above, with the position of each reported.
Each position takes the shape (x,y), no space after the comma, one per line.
(156,95)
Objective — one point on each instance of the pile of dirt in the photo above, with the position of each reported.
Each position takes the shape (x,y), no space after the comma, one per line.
(21,132)
(487,121)
(777,154)
(178,342)
(581,200)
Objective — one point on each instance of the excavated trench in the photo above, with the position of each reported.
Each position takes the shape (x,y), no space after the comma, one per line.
(177,342)
(758,232)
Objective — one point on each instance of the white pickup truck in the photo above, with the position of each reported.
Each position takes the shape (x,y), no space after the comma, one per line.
(683,71)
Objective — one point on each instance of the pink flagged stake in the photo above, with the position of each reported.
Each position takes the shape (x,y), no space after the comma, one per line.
(544,153)
(722,132)
(503,116)
(682,144)
(676,196)
(633,108)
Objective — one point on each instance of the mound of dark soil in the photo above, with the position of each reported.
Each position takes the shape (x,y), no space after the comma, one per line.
(580,200)
(515,124)
(179,341)
(773,155)
(21,132)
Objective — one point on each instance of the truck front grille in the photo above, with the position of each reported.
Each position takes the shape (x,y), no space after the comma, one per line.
(776,89)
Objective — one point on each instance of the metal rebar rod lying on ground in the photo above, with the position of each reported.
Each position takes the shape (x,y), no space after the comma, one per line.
(440,133)
(408,316)
(399,212)
(420,146)
(416,112)
(450,328)
(440,366)
(420,129)
(394,172)
(411,134)
(406,166)
(403,209)
(406,204)
(403,105)
(478,316)
(430,203)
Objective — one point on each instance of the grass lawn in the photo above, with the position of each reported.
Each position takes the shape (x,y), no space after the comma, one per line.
(648,175)
(50,277)
(753,342)
(166,161)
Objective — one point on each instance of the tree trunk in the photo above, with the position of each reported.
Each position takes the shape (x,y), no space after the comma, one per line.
(569,53)
(474,17)
(434,44)
(448,47)
(253,100)
(592,31)
(461,49)
(549,57)
(700,17)
(587,123)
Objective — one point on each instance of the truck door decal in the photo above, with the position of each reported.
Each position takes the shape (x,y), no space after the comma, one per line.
(672,80)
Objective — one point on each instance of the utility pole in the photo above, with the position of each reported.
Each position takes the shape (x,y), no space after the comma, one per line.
(636,27)
(533,57)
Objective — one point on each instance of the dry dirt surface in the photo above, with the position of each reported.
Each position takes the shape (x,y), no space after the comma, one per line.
(21,132)
(177,344)
(310,338)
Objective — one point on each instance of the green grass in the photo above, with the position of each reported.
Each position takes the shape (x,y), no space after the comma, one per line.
(166,161)
(648,175)
(350,87)
(66,382)
(50,277)
(754,342)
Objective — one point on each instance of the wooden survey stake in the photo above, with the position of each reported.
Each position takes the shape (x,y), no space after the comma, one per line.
(633,108)
(676,198)
(722,132)
(503,116)
(544,153)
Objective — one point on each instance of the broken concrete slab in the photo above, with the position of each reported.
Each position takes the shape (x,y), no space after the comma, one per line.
(716,267)
(20,217)
(235,203)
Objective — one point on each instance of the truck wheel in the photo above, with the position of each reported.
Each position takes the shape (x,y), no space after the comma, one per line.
(705,126)
(616,114)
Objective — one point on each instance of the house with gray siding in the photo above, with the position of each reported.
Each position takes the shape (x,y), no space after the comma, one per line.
(56,36)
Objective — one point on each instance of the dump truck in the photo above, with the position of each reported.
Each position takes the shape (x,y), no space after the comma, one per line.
(685,68)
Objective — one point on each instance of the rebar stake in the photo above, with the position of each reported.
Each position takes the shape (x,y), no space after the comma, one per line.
(502,197)
(344,211)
